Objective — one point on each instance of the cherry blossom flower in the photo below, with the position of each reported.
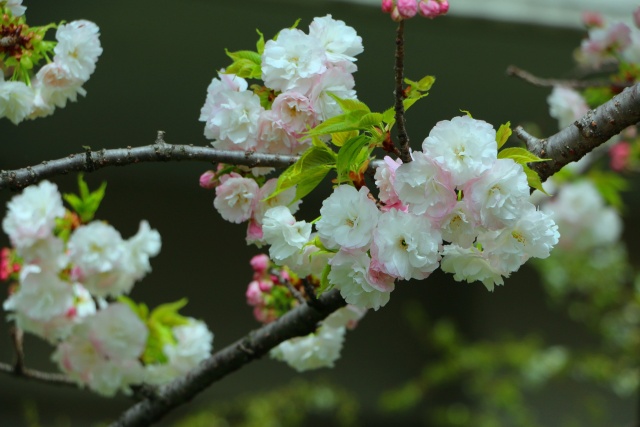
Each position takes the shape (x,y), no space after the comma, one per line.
(348,218)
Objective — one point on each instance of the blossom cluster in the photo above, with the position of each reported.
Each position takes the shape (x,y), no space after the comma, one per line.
(30,93)
(405,9)
(271,294)
(300,72)
(69,281)
(609,41)
(457,205)
(455,190)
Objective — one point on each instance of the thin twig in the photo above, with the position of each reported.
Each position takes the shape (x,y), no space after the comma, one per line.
(31,374)
(403,138)
(16,340)
(90,161)
(514,71)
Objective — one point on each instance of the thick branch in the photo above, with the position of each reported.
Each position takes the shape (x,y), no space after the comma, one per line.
(300,321)
(592,130)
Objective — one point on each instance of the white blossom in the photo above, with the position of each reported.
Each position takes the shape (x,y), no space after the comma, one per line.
(233,122)
(194,342)
(31,215)
(349,217)
(291,62)
(496,197)
(405,245)
(459,228)
(317,350)
(283,233)
(78,48)
(236,197)
(470,264)
(15,7)
(41,295)
(144,244)
(336,81)
(340,41)
(16,100)
(350,273)
(566,105)
(463,146)
(54,86)
(425,187)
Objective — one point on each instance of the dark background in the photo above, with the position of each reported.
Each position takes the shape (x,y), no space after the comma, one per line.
(159,57)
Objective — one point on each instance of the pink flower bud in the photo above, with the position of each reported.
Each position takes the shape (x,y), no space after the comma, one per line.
(208,180)
(407,8)
(387,6)
(444,6)
(592,19)
(636,17)
(395,15)
(260,263)
(429,8)
(620,154)
(254,294)
(285,276)
(265,285)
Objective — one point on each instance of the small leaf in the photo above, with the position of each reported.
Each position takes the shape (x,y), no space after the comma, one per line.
(342,123)
(533,179)
(503,134)
(260,43)
(467,113)
(339,138)
(349,105)
(351,156)
(370,119)
(520,155)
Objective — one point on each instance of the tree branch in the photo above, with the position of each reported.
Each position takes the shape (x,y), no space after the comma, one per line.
(298,322)
(514,71)
(587,133)
(90,161)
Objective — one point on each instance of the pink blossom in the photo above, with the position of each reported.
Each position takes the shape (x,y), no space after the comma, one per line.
(620,154)
(208,180)
(265,285)
(260,263)
(429,8)
(254,294)
(407,8)
(236,197)
(592,19)
(387,6)
(444,6)
(385,178)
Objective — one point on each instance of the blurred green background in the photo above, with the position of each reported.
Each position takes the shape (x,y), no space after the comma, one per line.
(159,57)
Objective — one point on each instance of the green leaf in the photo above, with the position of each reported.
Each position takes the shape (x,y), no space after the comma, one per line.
(467,113)
(308,171)
(370,119)
(246,64)
(167,314)
(141,310)
(325,285)
(339,138)
(342,123)
(349,105)
(533,179)
(503,134)
(389,116)
(520,155)
(88,202)
(260,43)
(351,156)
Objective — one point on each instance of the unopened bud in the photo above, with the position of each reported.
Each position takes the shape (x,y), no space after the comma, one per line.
(387,6)
(407,8)
(444,6)
(429,8)
(260,263)
(208,180)
(593,19)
